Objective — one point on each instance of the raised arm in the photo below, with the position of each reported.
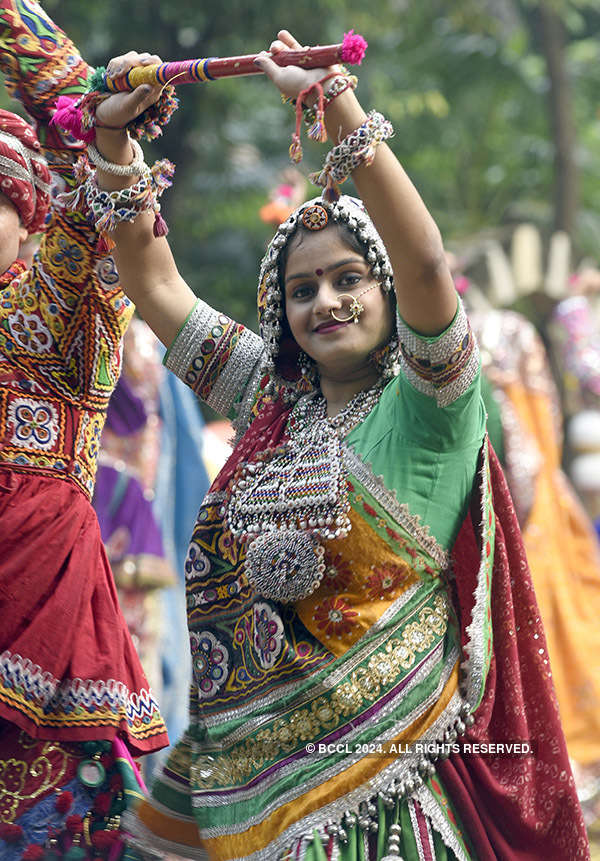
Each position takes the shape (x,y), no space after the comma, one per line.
(40,64)
(71,289)
(146,266)
(217,357)
(424,287)
(426,295)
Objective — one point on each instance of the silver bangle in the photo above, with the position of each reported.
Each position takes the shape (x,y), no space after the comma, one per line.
(134,168)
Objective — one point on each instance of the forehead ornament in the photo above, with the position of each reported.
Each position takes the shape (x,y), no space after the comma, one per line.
(315,217)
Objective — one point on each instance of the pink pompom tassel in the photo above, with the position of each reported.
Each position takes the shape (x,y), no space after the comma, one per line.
(353,48)
(69,117)
(161,228)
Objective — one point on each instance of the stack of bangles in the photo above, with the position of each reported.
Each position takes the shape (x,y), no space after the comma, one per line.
(355,149)
(108,208)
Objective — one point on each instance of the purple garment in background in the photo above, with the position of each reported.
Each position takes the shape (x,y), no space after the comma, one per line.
(120,503)
(126,413)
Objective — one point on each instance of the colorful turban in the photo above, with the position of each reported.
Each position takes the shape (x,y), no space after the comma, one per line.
(24,175)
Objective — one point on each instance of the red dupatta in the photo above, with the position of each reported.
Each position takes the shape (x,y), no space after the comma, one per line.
(516,808)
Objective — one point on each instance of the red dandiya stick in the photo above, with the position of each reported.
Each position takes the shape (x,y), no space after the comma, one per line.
(351,51)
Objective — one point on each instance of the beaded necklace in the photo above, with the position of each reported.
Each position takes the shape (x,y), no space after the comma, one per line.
(291,498)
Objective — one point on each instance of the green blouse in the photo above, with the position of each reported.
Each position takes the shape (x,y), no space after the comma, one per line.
(424,436)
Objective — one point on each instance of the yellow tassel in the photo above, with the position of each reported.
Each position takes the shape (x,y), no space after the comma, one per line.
(318,132)
(296,150)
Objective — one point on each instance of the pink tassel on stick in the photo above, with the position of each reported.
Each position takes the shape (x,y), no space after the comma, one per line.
(161,228)
(68,116)
(353,48)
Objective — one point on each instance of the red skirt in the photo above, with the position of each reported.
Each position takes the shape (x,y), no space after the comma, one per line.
(68,668)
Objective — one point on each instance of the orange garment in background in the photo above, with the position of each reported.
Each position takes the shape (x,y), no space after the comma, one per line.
(561,544)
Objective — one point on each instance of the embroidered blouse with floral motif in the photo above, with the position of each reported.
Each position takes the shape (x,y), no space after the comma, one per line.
(68,667)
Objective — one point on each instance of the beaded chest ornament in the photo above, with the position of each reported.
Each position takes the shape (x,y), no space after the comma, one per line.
(290,498)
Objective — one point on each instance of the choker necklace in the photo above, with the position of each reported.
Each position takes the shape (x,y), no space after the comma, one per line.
(14,271)
(293,497)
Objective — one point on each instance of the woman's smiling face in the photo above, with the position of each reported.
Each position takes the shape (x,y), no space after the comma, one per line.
(322,272)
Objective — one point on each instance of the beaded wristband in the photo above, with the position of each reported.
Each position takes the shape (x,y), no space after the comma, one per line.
(357,148)
(108,208)
(78,116)
(134,168)
(339,85)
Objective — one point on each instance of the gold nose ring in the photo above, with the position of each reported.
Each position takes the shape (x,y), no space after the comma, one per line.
(356,308)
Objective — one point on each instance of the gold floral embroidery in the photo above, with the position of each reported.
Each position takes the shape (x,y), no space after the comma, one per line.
(364,684)
(322,710)
(22,780)
(347,698)
(359,691)
(303,724)
(282,733)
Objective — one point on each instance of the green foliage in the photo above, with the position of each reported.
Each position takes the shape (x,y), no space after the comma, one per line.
(464,83)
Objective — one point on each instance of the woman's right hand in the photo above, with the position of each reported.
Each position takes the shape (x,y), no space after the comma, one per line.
(289,80)
(119,109)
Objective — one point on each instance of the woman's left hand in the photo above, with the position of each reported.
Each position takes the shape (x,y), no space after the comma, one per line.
(290,80)
(120,109)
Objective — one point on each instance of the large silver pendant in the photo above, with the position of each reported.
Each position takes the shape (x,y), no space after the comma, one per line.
(285,565)
(293,497)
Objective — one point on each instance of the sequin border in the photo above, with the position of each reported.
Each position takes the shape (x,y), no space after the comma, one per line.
(479,632)
(399,511)
(234,377)
(411,758)
(435,816)
(442,368)
(398,770)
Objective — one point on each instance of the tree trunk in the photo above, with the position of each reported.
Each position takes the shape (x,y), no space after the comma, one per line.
(551,34)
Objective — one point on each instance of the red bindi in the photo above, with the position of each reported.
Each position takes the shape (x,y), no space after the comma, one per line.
(318,271)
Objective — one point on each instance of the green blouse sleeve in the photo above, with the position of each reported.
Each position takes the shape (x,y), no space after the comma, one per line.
(216,357)
(425,435)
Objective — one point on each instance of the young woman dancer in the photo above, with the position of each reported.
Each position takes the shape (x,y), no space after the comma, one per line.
(364,635)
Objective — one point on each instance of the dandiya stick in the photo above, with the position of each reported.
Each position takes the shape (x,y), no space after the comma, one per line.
(351,51)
